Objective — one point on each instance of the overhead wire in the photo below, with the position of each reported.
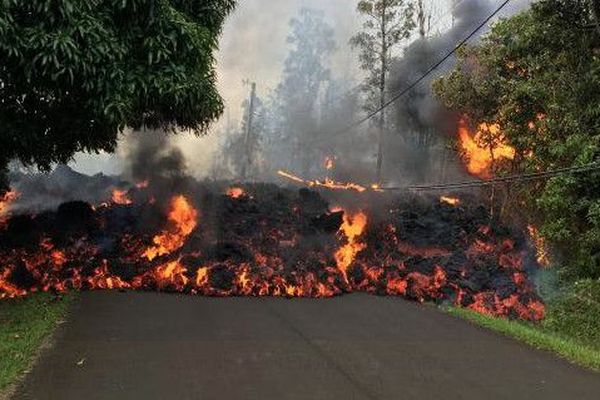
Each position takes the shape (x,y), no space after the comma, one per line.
(416,82)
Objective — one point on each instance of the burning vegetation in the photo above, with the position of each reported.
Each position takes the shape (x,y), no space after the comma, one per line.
(5,203)
(270,241)
(483,148)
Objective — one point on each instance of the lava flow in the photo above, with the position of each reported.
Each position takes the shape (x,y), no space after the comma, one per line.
(183,218)
(270,241)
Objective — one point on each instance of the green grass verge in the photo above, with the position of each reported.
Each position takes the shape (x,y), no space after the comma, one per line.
(539,336)
(24,326)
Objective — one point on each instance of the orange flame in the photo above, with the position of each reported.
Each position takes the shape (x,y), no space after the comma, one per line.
(183,217)
(121,197)
(481,159)
(5,203)
(235,192)
(330,163)
(453,201)
(327,184)
(352,228)
(541,248)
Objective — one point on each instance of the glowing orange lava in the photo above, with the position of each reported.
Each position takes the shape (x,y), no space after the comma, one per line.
(351,229)
(481,157)
(453,201)
(235,192)
(183,217)
(5,203)
(121,197)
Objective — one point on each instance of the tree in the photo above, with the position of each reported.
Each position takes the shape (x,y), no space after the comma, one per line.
(75,73)
(387,24)
(537,75)
(304,78)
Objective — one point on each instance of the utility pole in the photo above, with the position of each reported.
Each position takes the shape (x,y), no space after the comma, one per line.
(247,141)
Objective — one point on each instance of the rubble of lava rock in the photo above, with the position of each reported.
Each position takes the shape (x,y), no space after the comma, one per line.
(263,240)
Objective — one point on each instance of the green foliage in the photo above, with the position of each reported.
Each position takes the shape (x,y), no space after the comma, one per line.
(24,325)
(75,73)
(537,74)
(575,313)
(537,336)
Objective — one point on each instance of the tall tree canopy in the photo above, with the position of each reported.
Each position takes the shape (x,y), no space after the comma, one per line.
(305,76)
(538,76)
(75,73)
(387,23)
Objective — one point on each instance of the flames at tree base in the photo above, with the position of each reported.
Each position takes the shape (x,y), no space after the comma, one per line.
(269,241)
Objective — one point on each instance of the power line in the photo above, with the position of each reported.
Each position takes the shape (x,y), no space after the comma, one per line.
(417,81)
(491,182)
(351,91)
(464,185)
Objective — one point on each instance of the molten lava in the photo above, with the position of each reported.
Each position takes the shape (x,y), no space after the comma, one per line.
(121,197)
(483,148)
(276,242)
(183,218)
(452,201)
(235,192)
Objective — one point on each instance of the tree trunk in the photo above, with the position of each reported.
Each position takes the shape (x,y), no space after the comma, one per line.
(382,99)
(421,18)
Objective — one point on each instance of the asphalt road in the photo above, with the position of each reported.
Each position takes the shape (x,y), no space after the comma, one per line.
(152,346)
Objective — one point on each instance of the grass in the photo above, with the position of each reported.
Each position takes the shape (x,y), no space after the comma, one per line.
(25,324)
(571,328)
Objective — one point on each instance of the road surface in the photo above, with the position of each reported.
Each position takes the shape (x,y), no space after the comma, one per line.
(153,346)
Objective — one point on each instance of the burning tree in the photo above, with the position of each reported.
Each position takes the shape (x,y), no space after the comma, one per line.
(76,73)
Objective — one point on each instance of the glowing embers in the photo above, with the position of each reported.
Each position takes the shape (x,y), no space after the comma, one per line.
(483,148)
(451,201)
(183,219)
(489,303)
(236,192)
(327,183)
(5,202)
(541,248)
(329,163)
(121,197)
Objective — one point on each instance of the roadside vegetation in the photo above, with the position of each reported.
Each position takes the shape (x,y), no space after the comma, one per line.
(571,328)
(543,90)
(25,325)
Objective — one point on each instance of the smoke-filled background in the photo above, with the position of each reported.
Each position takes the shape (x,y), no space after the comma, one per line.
(308,91)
